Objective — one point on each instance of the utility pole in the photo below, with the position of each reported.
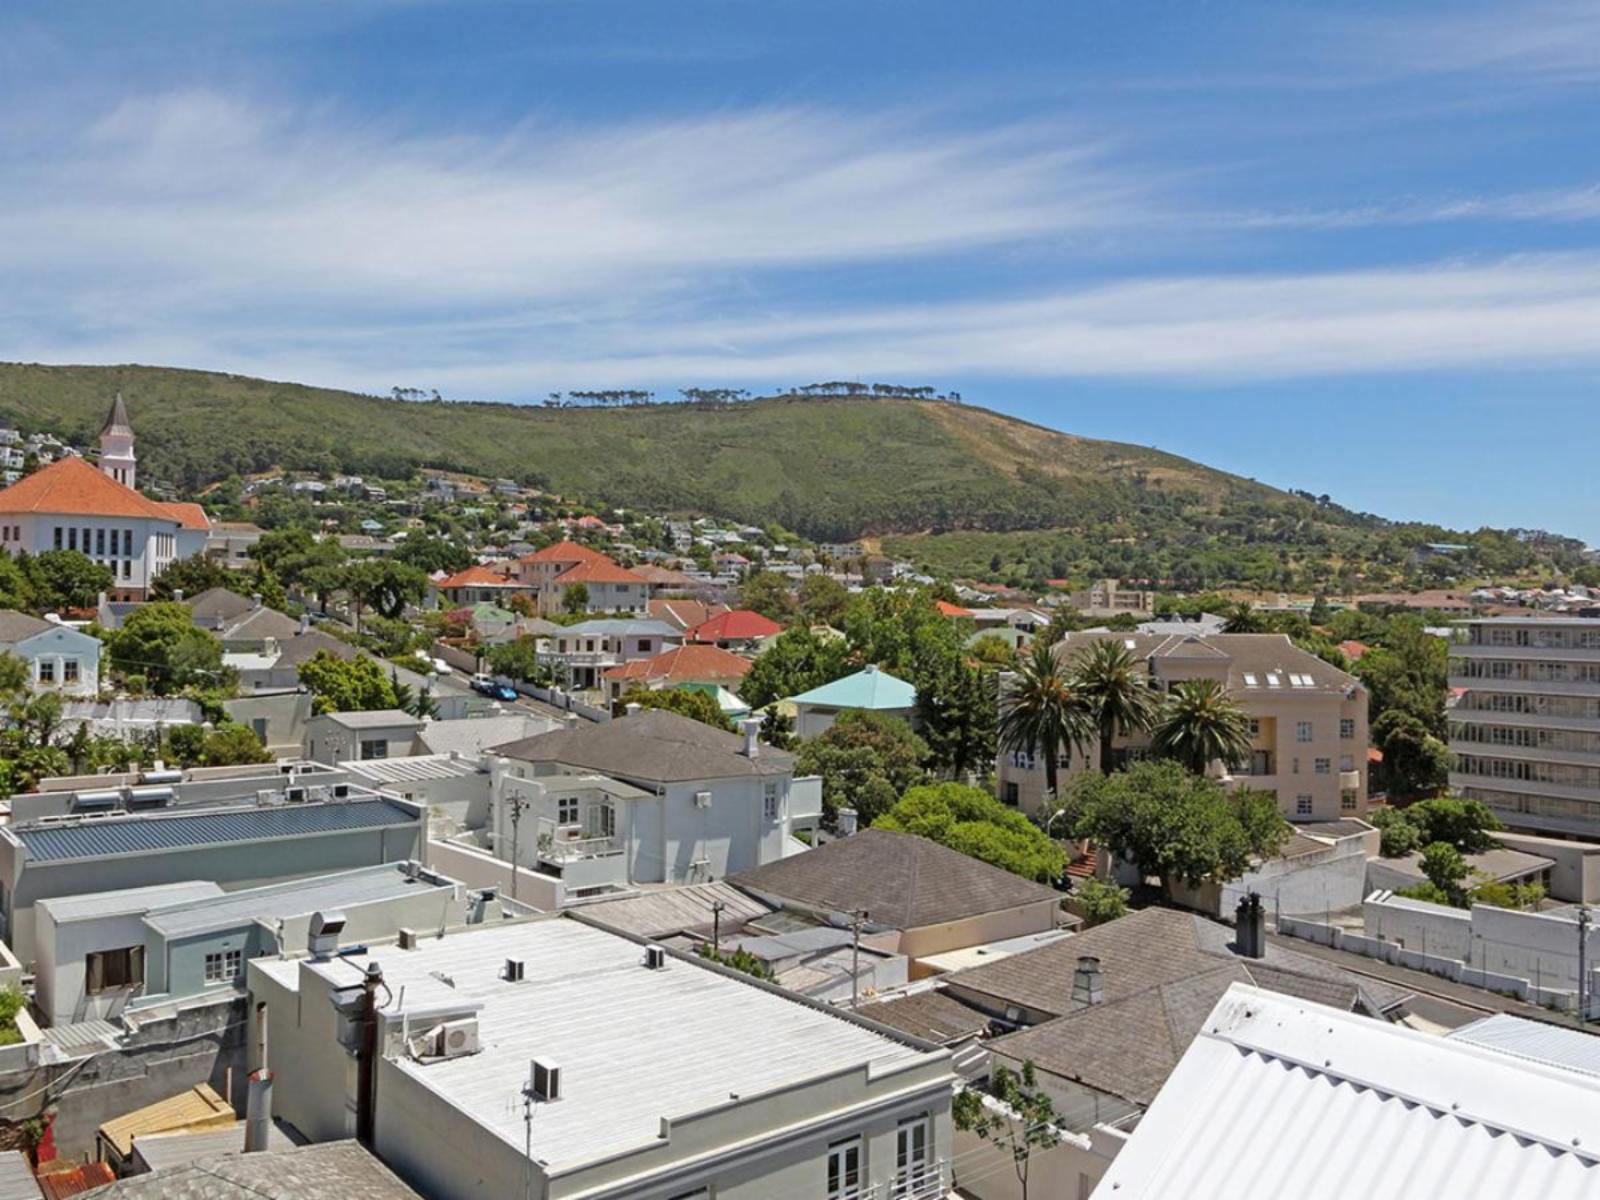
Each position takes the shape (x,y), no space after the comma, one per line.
(1583,965)
(716,926)
(517,803)
(857,920)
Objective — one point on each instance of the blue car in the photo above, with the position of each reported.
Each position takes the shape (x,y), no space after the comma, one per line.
(501,692)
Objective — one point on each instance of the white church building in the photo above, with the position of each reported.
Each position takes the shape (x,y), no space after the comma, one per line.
(73,505)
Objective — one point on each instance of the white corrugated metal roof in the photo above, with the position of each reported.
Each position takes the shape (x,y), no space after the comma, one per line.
(1538,1041)
(16,1177)
(1279,1097)
(127,901)
(293,898)
(414,768)
(635,1045)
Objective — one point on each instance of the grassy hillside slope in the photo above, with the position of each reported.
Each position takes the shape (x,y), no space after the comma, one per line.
(828,467)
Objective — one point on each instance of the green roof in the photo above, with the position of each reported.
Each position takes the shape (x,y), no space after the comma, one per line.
(869,689)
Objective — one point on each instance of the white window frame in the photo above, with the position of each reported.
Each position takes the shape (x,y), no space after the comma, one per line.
(1322,766)
(771,802)
(1303,805)
(837,1182)
(224,966)
(913,1166)
(569,810)
(1304,731)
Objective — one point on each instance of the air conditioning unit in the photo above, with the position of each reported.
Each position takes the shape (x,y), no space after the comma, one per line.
(409,939)
(319,792)
(702,799)
(516,968)
(286,768)
(295,795)
(545,1081)
(266,796)
(341,791)
(457,1038)
(655,957)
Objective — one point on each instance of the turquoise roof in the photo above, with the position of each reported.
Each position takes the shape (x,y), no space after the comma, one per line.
(869,689)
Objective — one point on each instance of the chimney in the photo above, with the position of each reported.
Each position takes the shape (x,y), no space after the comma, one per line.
(305,622)
(101,601)
(632,708)
(255,599)
(1250,927)
(570,720)
(752,742)
(258,1112)
(845,821)
(1086,982)
(177,594)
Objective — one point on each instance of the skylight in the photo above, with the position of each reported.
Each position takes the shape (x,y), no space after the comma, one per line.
(1274,679)
(1250,680)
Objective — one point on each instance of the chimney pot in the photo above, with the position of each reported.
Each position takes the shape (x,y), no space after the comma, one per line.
(633,708)
(177,594)
(845,821)
(752,739)
(258,1112)
(1250,927)
(1086,981)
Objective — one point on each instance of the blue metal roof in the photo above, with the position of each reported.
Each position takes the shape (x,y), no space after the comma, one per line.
(869,688)
(174,831)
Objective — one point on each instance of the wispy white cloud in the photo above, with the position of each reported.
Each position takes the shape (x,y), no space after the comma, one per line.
(1549,40)
(1572,205)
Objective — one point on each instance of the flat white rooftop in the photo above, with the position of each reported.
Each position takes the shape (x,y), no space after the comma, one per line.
(634,1045)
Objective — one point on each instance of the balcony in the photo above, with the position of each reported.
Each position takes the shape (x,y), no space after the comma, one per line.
(560,851)
(580,658)
(1524,687)
(1567,654)
(926,1183)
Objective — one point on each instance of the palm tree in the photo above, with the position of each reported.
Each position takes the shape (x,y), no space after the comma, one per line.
(1200,724)
(1242,618)
(1041,711)
(1117,691)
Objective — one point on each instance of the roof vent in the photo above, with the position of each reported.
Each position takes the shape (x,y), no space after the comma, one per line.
(702,799)
(655,957)
(1087,986)
(544,1081)
(324,933)
(409,939)
(516,968)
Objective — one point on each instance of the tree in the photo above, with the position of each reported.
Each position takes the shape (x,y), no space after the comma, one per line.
(518,659)
(161,642)
(16,591)
(957,713)
(1446,870)
(1407,672)
(1116,691)
(429,553)
(1414,761)
(1099,901)
(686,702)
(1200,724)
(384,586)
(191,576)
(768,594)
(866,760)
(992,650)
(1025,1124)
(795,661)
(1175,825)
(1243,618)
(823,599)
(66,579)
(347,685)
(1467,825)
(970,820)
(1042,712)
(575,598)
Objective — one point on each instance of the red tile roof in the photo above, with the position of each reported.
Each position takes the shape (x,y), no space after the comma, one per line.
(740,624)
(602,570)
(564,552)
(951,610)
(190,516)
(72,487)
(1354,650)
(477,575)
(686,664)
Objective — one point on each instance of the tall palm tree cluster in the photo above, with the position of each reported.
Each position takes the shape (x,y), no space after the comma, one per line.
(1059,704)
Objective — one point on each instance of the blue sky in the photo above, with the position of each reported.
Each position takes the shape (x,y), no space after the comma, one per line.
(1344,247)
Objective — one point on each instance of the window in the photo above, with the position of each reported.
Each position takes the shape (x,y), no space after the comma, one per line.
(224,966)
(72,539)
(1322,766)
(770,802)
(912,1156)
(844,1170)
(99,543)
(1347,728)
(127,568)
(374,748)
(58,537)
(644,645)
(47,670)
(258,726)
(1012,794)
(1255,728)
(1347,762)
(566,810)
(1347,800)
(106,970)
(69,670)
(1302,731)
(1302,806)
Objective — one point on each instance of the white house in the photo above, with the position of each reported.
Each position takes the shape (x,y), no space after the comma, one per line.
(582,653)
(551,1058)
(650,798)
(60,658)
(338,737)
(71,505)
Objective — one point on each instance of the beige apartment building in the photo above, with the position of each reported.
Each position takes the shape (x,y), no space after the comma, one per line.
(1108,598)
(1308,720)
(1525,731)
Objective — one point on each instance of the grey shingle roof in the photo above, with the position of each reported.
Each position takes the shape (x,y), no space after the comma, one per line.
(664,912)
(654,745)
(933,1016)
(260,623)
(375,718)
(173,831)
(327,1171)
(217,606)
(903,881)
(16,626)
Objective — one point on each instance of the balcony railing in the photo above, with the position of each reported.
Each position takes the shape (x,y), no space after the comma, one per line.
(564,850)
(579,658)
(926,1183)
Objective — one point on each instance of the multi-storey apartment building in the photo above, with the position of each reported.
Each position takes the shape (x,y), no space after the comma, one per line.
(1525,731)
(1308,720)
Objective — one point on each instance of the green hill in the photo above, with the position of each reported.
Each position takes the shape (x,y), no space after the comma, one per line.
(936,479)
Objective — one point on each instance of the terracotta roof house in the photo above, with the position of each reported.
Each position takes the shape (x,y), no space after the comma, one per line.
(476,585)
(73,505)
(665,578)
(939,899)
(677,667)
(737,629)
(685,614)
(610,588)
(953,611)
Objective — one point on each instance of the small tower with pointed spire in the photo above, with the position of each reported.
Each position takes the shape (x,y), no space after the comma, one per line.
(116,445)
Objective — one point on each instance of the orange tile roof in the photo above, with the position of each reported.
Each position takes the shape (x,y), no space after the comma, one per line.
(190,516)
(952,610)
(686,664)
(564,552)
(685,614)
(476,575)
(738,625)
(72,487)
(601,571)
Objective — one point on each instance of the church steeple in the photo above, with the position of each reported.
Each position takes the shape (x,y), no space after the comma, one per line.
(116,445)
